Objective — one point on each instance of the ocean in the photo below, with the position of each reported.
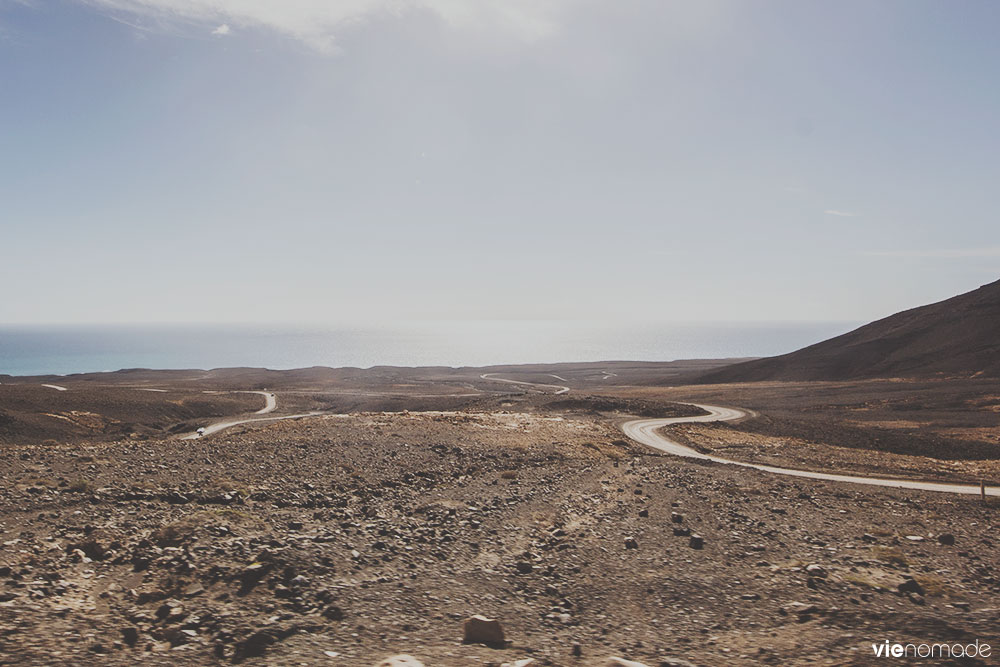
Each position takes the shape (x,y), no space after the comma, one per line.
(62,350)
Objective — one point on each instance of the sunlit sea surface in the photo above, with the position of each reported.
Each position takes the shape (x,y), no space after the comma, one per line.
(36,350)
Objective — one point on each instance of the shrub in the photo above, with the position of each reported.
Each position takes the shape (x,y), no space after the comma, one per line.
(80,486)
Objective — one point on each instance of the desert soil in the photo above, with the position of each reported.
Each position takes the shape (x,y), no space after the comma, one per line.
(342,539)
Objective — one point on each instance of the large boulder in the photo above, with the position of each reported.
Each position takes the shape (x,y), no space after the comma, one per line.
(482,630)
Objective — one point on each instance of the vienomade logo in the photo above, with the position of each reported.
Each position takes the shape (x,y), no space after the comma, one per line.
(890,650)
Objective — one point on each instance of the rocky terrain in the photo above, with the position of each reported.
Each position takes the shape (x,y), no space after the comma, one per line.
(344,539)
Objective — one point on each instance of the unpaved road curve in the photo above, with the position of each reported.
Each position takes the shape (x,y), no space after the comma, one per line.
(558,387)
(218,426)
(270,405)
(271,402)
(647,432)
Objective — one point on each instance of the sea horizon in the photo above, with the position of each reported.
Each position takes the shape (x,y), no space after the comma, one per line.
(65,349)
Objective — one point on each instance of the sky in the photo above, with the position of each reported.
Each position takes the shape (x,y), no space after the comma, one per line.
(371,160)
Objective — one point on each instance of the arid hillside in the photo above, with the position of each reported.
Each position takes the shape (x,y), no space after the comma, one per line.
(955,337)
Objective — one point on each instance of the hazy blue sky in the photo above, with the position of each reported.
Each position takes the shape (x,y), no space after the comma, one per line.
(246,160)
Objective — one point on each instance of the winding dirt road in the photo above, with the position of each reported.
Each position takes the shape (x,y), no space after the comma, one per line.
(647,432)
(270,404)
(558,387)
(218,426)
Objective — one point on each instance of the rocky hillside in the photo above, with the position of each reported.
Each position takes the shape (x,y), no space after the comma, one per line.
(955,337)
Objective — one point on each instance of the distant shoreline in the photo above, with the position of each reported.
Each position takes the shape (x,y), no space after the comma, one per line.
(67,350)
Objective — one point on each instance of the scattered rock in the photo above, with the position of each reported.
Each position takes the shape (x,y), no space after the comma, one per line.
(804,612)
(697,542)
(255,645)
(946,539)
(910,586)
(91,549)
(631,543)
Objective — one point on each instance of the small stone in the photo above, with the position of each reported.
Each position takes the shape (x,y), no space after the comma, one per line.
(172,610)
(946,539)
(481,630)
(524,567)
(334,613)
(697,542)
(676,518)
(130,635)
(402,660)
(622,662)
(681,532)
(631,543)
(577,651)
(675,662)
(643,513)
(193,590)
(816,571)
(253,646)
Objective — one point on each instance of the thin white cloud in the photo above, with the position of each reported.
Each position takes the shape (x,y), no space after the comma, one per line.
(842,214)
(222,30)
(952,253)
(317,22)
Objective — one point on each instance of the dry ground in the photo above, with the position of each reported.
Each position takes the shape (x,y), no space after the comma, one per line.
(339,540)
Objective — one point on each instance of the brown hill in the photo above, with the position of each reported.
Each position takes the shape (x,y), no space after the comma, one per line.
(958,336)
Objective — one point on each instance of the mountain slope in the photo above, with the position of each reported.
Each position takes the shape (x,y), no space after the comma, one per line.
(958,336)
